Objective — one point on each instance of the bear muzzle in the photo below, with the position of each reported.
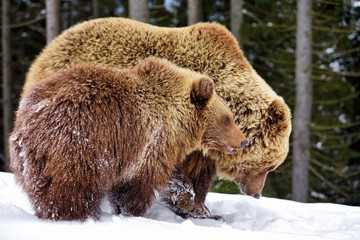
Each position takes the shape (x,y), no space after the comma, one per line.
(252,185)
(231,150)
(247,190)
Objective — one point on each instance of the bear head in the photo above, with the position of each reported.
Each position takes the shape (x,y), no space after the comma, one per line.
(267,149)
(212,126)
(220,131)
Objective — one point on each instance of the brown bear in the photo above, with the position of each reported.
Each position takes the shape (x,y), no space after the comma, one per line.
(89,131)
(207,48)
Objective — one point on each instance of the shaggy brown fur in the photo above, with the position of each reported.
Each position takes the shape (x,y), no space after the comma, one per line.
(88,131)
(207,48)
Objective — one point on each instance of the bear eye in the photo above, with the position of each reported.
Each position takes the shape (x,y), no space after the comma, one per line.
(227,121)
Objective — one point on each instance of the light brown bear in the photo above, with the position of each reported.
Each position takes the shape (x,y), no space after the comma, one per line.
(207,48)
(87,131)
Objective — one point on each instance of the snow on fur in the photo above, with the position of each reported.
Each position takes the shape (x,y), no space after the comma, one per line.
(245,218)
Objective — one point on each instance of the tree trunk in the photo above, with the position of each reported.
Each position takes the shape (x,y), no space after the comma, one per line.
(6,76)
(139,10)
(236,18)
(52,19)
(95,8)
(302,118)
(195,12)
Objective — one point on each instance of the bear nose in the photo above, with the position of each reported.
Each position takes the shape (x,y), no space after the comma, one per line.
(244,143)
(256,195)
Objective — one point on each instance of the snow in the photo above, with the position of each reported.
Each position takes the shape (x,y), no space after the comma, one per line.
(245,218)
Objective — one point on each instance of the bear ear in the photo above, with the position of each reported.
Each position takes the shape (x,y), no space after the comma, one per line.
(278,121)
(202,91)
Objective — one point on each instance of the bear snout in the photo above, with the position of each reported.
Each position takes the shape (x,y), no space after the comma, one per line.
(250,190)
(243,144)
(237,141)
(252,184)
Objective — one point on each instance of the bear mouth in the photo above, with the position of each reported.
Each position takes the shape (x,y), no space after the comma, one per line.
(229,149)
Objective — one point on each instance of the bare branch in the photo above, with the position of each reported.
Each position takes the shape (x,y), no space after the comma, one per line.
(327,182)
(22,24)
(318,127)
(334,101)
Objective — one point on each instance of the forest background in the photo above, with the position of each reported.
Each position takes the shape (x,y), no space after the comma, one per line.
(268,33)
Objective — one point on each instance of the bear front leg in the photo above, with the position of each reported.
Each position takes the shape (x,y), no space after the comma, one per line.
(196,175)
(179,194)
(131,198)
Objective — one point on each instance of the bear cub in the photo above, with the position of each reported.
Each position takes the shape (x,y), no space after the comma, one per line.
(89,131)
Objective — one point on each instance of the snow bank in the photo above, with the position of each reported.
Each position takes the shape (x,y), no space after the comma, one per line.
(245,218)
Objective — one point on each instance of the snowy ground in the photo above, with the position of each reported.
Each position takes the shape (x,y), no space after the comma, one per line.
(245,218)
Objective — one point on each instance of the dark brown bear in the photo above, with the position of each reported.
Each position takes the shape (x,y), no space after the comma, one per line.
(90,131)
